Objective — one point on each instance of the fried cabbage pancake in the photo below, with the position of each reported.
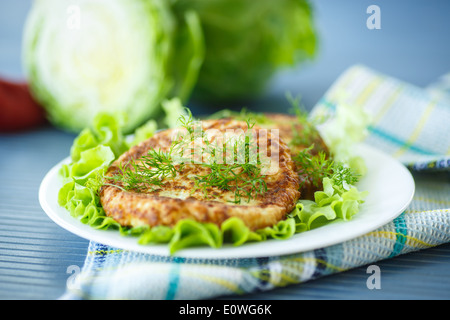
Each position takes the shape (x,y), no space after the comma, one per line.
(178,198)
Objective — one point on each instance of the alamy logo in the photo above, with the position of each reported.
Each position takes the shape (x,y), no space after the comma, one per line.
(74,271)
(374,20)
(374,280)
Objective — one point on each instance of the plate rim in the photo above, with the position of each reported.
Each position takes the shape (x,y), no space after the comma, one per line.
(226,251)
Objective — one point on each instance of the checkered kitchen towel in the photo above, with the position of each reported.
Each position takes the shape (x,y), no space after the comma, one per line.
(410,123)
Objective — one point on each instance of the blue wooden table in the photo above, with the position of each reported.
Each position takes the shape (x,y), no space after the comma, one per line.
(37,256)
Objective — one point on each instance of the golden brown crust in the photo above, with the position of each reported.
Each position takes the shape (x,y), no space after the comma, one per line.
(178,199)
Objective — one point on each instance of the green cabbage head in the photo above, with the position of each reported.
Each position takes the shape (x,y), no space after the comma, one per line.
(84,57)
(248,41)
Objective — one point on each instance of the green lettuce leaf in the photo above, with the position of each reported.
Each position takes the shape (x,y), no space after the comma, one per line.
(189,233)
(106,130)
(237,233)
(142,133)
(82,203)
(342,131)
(92,162)
(92,152)
(332,204)
(173,110)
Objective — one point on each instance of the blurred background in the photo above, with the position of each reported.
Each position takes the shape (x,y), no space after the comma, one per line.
(412,45)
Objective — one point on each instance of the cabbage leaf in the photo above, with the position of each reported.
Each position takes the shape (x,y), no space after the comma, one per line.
(86,57)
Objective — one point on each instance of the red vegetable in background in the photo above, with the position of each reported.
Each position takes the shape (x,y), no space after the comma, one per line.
(18,109)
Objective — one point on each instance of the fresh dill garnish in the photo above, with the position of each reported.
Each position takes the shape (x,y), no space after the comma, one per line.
(149,172)
(245,181)
(95,182)
(315,168)
(186,121)
(309,133)
(344,176)
(319,166)
(240,175)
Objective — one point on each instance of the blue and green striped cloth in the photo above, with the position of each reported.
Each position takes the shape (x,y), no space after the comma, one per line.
(410,123)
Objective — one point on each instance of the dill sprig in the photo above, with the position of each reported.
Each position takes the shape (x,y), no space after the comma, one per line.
(152,169)
(315,168)
(344,176)
(319,166)
(243,178)
(186,121)
(309,133)
(245,181)
(149,172)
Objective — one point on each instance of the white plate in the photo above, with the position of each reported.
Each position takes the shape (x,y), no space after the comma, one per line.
(390,185)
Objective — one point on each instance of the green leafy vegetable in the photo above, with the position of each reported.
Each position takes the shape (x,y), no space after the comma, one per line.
(309,133)
(117,56)
(343,131)
(189,233)
(247,41)
(332,204)
(150,172)
(91,154)
(173,110)
(91,162)
(106,130)
(144,132)
(315,168)
(235,231)
(82,203)
(242,176)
